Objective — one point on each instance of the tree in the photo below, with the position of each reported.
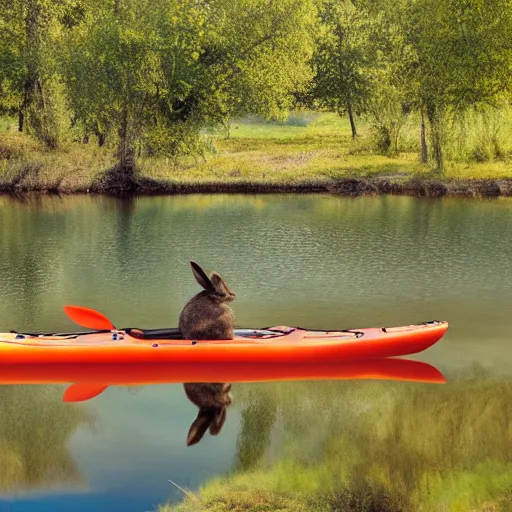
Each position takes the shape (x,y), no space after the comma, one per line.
(463,54)
(153,74)
(28,85)
(343,59)
(394,91)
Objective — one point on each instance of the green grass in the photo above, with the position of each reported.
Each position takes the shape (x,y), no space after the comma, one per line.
(7,124)
(318,148)
(71,168)
(307,147)
(313,146)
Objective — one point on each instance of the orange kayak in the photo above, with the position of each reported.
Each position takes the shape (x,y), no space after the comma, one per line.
(275,345)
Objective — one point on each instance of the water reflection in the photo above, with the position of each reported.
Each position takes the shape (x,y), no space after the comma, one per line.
(400,446)
(212,399)
(256,424)
(35,429)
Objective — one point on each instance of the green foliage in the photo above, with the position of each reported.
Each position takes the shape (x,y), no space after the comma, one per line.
(35,429)
(154,74)
(344,58)
(479,134)
(463,55)
(11,56)
(258,55)
(149,78)
(462,49)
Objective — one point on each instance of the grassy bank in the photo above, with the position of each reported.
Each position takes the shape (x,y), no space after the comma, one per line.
(309,152)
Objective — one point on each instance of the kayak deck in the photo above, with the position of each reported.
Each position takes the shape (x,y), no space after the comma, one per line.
(269,345)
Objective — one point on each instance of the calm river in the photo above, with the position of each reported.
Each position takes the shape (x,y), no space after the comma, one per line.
(312,261)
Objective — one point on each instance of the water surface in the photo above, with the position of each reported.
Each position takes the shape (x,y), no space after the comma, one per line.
(311,261)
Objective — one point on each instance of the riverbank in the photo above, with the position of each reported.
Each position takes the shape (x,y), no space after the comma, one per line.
(310,153)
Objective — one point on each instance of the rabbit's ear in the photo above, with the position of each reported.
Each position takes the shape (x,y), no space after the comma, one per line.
(220,286)
(226,387)
(201,276)
(199,426)
(218,421)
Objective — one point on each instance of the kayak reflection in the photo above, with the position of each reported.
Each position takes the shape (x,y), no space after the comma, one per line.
(88,380)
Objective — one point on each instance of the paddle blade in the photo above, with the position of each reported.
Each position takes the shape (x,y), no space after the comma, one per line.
(82,391)
(87,317)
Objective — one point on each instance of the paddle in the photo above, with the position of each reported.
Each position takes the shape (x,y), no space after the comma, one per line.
(90,318)
(83,391)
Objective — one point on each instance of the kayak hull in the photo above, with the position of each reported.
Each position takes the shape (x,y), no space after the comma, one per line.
(296,346)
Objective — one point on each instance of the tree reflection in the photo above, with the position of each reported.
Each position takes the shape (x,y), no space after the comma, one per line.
(258,418)
(35,427)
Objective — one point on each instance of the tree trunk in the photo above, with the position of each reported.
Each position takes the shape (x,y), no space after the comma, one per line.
(123,179)
(435,117)
(100,135)
(424,150)
(351,119)
(120,180)
(32,56)
(21,119)
(126,153)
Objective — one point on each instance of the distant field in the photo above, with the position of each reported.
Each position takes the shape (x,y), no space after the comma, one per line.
(307,147)
(314,146)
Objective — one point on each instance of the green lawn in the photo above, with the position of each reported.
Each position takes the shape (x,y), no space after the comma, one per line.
(307,146)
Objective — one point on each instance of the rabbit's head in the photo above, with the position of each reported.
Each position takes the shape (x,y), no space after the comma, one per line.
(214,284)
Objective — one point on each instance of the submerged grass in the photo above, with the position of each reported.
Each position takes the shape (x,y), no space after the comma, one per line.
(309,149)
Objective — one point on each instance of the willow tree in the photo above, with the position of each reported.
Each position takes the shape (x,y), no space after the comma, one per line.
(394,92)
(125,64)
(152,74)
(464,53)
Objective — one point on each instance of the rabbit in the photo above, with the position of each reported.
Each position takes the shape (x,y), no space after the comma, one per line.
(212,400)
(208,316)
